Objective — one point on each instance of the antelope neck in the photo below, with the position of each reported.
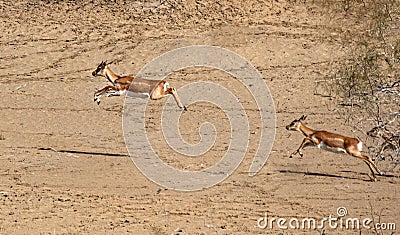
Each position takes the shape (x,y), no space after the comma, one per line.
(305,130)
(110,75)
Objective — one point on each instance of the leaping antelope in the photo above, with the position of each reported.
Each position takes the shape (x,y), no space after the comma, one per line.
(122,84)
(331,142)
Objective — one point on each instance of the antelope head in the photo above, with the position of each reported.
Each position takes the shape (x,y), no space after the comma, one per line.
(100,70)
(295,124)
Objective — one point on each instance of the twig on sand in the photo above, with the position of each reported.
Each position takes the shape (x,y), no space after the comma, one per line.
(210,226)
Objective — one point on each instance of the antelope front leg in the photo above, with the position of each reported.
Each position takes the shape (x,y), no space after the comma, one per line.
(113,93)
(298,151)
(99,93)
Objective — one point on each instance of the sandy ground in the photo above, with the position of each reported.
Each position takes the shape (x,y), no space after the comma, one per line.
(91,186)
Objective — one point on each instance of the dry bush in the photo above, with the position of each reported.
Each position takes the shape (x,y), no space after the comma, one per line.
(366,85)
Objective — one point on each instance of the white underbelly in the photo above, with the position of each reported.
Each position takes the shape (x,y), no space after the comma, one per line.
(134,94)
(322,145)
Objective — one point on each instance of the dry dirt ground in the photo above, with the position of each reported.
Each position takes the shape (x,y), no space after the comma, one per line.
(91,186)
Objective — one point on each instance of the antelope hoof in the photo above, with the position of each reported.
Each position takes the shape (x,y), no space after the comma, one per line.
(291,156)
(301,154)
(97,99)
(184,108)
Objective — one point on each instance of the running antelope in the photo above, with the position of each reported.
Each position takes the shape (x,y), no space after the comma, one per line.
(331,142)
(122,84)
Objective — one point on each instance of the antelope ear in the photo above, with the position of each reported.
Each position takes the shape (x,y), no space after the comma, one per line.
(303,118)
